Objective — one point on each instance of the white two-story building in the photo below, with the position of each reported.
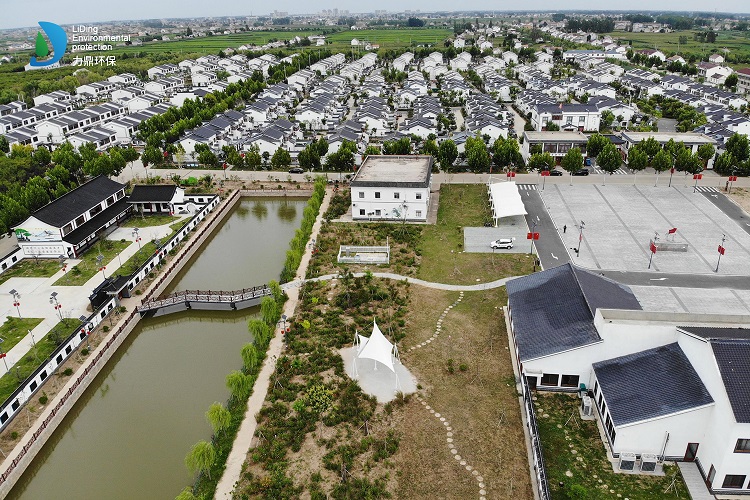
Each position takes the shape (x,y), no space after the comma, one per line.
(392,187)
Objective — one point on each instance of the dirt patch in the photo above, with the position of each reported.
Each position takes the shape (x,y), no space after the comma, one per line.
(478,398)
(741,196)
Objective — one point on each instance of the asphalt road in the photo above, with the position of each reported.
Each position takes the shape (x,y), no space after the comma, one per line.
(731,209)
(549,246)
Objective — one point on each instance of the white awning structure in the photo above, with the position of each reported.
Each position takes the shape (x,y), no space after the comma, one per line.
(505,200)
(378,348)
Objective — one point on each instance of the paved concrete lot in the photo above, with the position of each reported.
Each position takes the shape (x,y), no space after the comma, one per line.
(621,220)
(477,239)
(694,300)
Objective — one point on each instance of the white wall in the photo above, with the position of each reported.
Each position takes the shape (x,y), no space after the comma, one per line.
(648,437)
(386,203)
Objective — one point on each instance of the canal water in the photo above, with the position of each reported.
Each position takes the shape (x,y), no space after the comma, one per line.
(128,435)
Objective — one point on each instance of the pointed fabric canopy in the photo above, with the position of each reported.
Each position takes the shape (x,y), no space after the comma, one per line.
(362,342)
(378,348)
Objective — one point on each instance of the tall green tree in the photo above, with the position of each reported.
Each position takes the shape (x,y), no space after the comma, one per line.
(596,144)
(506,154)
(218,417)
(637,160)
(201,458)
(477,156)
(705,153)
(661,163)
(250,357)
(541,161)
(239,385)
(609,159)
(447,154)
(572,162)
(651,147)
(281,159)
(725,164)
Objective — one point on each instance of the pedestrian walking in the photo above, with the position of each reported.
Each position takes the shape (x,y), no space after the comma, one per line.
(565,228)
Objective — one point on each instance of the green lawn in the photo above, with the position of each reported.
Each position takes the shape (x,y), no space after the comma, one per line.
(88,267)
(442,244)
(390,38)
(149,220)
(736,42)
(36,356)
(28,268)
(146,251)
(574,455)
(14,329)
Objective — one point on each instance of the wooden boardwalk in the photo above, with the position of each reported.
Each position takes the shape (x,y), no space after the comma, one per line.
(205,299)
(694,481)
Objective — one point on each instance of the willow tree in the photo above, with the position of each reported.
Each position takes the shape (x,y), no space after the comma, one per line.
(218,417)
(250,356)
(201,457)
(239,384)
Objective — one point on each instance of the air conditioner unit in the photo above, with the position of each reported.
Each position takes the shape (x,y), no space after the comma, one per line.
(587,408)
(627,461)
(648,462)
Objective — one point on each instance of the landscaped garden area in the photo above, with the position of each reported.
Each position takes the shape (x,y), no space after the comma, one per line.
(31,268)
(14,329)
(577,465)
(88,267)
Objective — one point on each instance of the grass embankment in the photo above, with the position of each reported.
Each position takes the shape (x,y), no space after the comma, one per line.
(14,329)
(443,260)
(87,268)
(149,221)
(576,458)
(32,359)
(29,268)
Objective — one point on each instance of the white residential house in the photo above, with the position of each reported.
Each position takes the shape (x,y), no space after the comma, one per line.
(392,187)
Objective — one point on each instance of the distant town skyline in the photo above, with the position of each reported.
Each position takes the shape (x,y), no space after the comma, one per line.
(19,15)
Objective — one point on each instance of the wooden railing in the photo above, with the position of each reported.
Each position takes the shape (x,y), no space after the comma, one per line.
(206,296)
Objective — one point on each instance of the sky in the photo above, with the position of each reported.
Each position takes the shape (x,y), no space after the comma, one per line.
(23,13)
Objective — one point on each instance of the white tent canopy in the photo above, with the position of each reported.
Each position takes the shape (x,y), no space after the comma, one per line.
(377,348)
(505,200)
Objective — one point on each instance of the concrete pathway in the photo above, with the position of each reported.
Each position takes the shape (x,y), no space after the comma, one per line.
(35,293)
(694,481)
(246,432)
(391,276)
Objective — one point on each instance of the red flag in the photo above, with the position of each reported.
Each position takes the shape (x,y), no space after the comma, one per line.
(536,236)
(652,247)
(673,230)
(721,250)
(545,173)
(528,236)
(2,355)
(695,177)
(732,178)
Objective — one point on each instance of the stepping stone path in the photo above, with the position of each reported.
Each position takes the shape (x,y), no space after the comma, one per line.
(439,326)
(449,439)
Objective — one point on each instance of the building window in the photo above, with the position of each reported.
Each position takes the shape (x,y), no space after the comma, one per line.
(742,446)
(361,211)
(67,228)
(735,481)
(550,379)
(80,220)
(568,119)
(419,196)
(396,196)
(569,381)
(419,214)
(581,119)
(377,195)
(95,210)
(361,195)
(377,213)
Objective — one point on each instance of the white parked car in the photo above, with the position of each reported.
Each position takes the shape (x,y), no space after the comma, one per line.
(502,243)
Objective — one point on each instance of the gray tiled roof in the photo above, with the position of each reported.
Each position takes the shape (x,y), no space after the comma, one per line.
(713,332)
(553,310)
(732,357)
(72,204)
(650,384)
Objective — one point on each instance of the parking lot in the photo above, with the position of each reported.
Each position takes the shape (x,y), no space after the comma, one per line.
(477,239)
(693,300)
(619,222)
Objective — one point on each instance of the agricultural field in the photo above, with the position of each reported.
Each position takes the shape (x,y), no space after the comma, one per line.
(391,38)
(737,43)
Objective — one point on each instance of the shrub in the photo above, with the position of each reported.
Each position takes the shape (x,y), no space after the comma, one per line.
(463,367)
(123,309)
(105,328)
(138,292)
(84,352)
(14,435)
(68,372)
(43,398)
(450,366)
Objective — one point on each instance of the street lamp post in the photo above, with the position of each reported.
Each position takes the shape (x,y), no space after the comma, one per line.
(580,238)
(137,237)
(99,262)
(721,251)
(3,355)
(56,304)
(16,301)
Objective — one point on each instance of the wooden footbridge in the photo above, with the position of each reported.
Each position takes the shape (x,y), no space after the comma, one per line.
(209,300)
